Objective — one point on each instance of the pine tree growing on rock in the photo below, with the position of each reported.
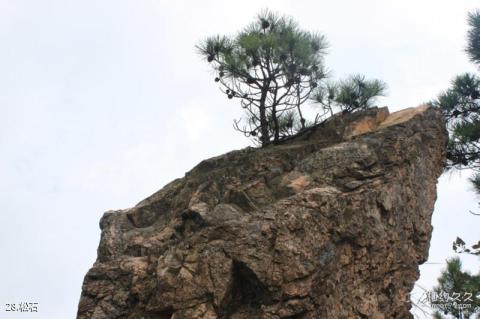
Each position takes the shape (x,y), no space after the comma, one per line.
(271,66)
(352,94)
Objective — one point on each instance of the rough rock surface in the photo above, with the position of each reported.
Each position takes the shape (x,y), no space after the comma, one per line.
(330,224)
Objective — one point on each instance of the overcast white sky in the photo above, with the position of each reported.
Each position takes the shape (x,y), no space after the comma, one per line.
(104,102)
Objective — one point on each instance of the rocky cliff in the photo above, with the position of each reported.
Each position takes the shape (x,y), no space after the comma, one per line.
(330,224)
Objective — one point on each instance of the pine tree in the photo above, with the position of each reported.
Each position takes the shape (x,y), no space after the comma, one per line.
(457,291)
(349,95)
(271,66)
(460,105)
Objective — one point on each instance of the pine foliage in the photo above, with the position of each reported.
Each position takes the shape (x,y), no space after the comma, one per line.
(271,66)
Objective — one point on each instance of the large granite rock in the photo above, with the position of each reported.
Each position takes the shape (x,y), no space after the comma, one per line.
(331,224)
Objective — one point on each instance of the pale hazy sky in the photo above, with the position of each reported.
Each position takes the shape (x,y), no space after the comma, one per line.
(103,102)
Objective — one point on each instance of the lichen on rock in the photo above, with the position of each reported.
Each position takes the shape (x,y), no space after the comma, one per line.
(330,224)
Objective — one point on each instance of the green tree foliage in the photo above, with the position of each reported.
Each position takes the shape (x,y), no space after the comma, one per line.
(460,105)
(271,66)
(460,246)
(473,46)
(351,94)
(455,289)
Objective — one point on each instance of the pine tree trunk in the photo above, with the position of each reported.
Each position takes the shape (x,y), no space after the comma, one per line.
(275,123)
(265,139)
(264,126)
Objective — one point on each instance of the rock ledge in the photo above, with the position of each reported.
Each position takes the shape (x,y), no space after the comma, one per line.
(330,224)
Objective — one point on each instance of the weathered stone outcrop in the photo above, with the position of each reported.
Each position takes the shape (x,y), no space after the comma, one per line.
(330,224)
